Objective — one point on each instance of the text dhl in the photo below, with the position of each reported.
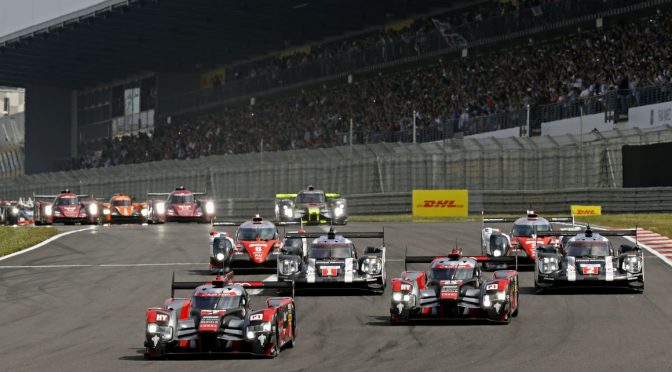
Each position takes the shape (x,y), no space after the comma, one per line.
(440,204)
(586,212)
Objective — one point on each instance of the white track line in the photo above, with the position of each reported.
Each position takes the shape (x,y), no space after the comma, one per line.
(41,244)
(103,265)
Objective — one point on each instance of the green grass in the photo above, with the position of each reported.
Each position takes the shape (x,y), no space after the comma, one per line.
(13,239)
(658,222)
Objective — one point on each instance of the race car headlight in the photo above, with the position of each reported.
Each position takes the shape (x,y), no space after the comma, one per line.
(501,295)
(220,256)
(210,207)
(486,301)
(288,267)
(15,211)
(497,252)
(372,265)
(338,211)
(144,212)
(93,209)
(287,211)
(632,264)
(160,208)
(152,328)
(106,211)
(397,296)
(261,327)
(48,210)
(548,265)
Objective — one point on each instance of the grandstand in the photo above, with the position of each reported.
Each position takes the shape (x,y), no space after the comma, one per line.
(127,82)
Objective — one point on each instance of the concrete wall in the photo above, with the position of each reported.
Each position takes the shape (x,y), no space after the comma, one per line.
(50,128)
(573,125)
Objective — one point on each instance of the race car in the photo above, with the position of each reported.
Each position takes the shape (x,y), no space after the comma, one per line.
(16,213)
(66,208)
(257,244)
(588,259)
(122,209)
(311,207)
(219,318)
(454,289)
(523,240)
(182,206)
(331,262)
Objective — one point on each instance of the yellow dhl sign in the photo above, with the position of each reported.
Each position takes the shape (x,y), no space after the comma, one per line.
(586,210)
(438,203)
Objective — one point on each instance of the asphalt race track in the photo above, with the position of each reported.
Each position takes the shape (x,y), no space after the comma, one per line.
(92,317)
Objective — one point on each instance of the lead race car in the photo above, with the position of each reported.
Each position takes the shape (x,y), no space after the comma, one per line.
(218,318)
(257,244)
(67,208)
(588,259)
(523,240)
(331,261)
(311,207)
(183,206)
(454,289)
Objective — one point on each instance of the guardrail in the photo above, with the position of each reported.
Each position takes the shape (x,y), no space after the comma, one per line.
(615,200)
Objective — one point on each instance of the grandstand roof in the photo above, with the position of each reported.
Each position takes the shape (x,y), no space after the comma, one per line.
(116,39)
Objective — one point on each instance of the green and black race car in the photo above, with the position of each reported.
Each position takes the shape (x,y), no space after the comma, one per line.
(311,207)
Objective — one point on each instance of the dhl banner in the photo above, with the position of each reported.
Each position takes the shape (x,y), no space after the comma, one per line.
(586,210)
(438,203)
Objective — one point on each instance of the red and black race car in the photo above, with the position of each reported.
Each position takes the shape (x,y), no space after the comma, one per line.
(257,244)
(67,208)
(183,206)
(454,289)
(523,240)
(218,318)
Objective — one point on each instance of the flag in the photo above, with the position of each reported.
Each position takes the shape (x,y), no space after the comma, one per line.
(452,39)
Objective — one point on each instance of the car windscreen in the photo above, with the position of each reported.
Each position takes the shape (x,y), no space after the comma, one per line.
(199,303)
(252,233)
(311,197)
(67,201)
(588,249)
(180,199)
(121,203)
(322,252)
(462,273)
(528,230)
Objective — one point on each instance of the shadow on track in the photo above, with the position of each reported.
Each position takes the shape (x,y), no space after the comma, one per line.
(384,321)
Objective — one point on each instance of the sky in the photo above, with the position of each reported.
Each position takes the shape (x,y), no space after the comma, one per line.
(16,15)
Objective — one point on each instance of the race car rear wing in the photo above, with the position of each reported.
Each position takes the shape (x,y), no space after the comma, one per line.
(54,196)
(484,259)
(260,285)
(158,194)
(630,232)
(225,223)
(285,196)
(347,234)
(509,219)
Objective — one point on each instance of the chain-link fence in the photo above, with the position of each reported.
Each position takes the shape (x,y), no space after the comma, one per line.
(538,163)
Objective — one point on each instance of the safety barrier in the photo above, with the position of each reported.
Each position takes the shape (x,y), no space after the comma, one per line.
(616,200)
